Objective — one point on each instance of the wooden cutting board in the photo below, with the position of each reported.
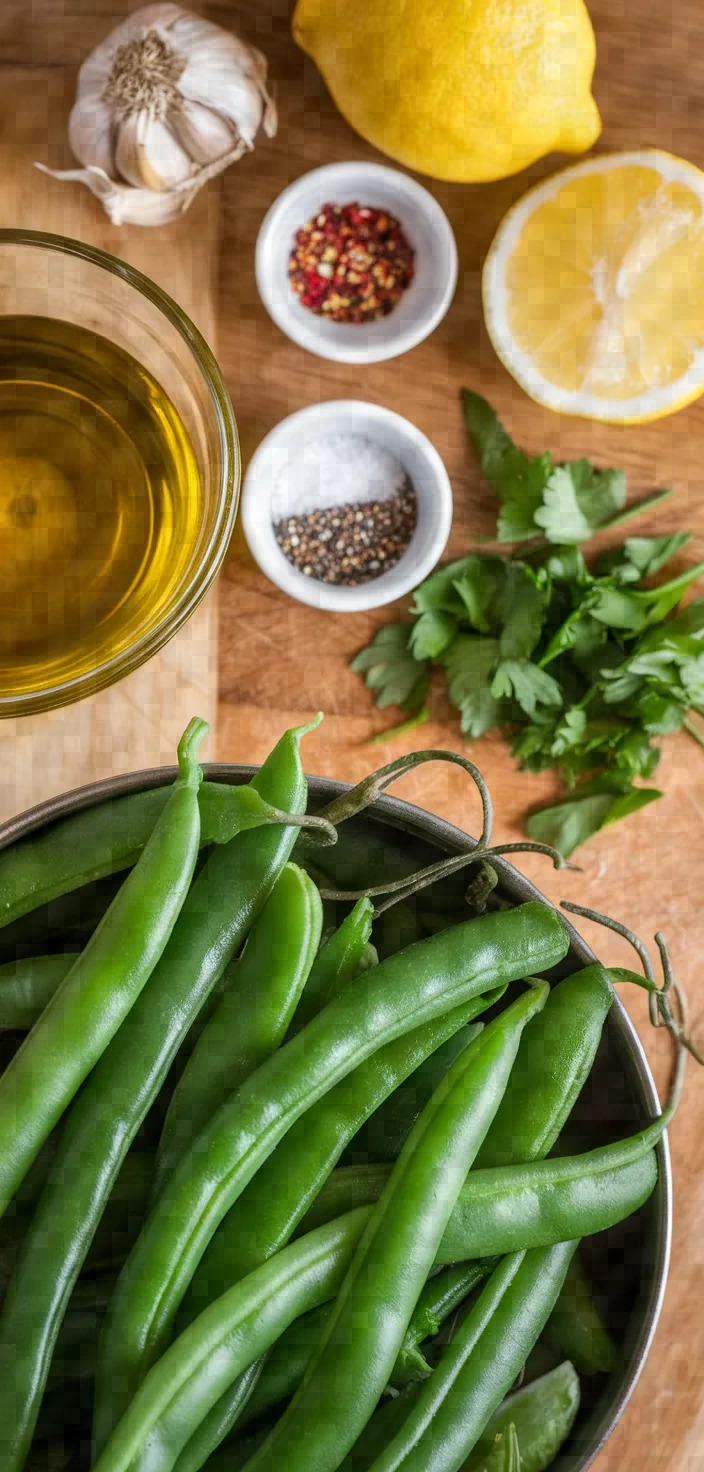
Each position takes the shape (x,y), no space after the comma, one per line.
(279,661)
(137,722)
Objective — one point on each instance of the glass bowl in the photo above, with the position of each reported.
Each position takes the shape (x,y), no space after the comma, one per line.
(63,281)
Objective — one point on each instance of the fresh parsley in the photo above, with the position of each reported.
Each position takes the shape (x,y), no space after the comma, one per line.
(585,668)
(566,504)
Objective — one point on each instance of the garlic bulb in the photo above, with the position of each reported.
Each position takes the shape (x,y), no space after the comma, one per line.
(165,103)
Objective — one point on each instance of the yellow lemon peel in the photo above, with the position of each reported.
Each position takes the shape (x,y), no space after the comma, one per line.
(464,90)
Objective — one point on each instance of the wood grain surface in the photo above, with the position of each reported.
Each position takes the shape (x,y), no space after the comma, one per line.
(279,661)
(137,722)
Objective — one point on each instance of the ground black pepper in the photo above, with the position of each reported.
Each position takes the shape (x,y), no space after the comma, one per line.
(351,544)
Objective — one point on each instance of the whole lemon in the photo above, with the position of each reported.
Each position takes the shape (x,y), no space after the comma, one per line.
(466,90)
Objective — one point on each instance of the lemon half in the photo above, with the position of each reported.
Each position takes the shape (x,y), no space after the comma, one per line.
(594,288)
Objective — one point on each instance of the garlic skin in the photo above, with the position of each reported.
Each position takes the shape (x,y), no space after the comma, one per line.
(163,104)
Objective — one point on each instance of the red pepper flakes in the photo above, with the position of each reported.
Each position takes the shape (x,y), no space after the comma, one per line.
(351,263)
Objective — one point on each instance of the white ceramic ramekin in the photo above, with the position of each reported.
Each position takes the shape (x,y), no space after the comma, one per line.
(427,228)
(419,459)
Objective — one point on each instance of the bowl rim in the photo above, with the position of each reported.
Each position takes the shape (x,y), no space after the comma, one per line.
(282,314)
(408,817)
(331,597)
(148,644)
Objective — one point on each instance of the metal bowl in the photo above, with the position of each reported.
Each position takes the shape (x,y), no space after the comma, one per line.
(629,1263)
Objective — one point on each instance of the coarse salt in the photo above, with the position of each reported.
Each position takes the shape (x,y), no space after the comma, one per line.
(335,470)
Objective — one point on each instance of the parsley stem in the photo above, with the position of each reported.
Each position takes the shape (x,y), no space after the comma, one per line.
(690,575)
(400,730)
(631,511)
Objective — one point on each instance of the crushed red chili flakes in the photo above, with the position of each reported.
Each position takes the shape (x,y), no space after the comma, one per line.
(351,263)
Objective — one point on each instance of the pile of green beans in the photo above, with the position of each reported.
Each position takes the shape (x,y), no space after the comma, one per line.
(267,1200)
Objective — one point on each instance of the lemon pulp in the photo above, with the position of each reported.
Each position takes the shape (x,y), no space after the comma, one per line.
(594,288)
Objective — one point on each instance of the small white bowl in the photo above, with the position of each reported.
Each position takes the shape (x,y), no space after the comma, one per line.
(419,459)
(427,228)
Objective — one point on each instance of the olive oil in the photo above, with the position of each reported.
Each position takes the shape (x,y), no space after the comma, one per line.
(101,505)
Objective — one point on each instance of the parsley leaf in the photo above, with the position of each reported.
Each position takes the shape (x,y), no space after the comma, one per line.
(567,565)
(588,668)
(469,663)
(518,481)
(600,493)
(660,715)
(530,686)
(391,670)
(578,499)
(692,677)
(431,634)
(438,593)
(566,825)
(561,516)
(487,434)
(521,489)
(480,587)
(641,557)
(523,607)
(568,502)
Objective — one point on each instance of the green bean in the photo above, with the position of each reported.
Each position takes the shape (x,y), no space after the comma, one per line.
(480,1365)
(338,962)
(179,1394)
(104,1119)
(348,1187)
(576,1328)
(379,1430)
(358,1350)
(103,839)
(517,1206)
(253,1016)
(556,1055)
(226,1338)
(208,1356)
(264,1217)
(284,1366)
(274,1203)
(385,1133)
(286,1363)
(213,1430)
(437,974)
(105,981)
(512,1207)
(554,1061)
(27,987)
(543,1414)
